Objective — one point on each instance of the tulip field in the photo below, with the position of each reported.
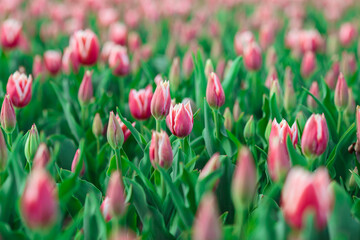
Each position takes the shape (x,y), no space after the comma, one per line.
(179,119)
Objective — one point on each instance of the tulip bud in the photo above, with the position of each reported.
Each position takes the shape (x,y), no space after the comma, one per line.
(86,46)
(105,209)
(140,103)
(188,64)
(3,152)
(160,150)
(70,61)
(228,122)
(341,93)
(244,179)
(278,159)
(212,165)
(252,57)
(19,89)
(97,126)
(305,192)
(39,201)
(174,74)
(275,90)
(42,156)
(75,162)
(209,68)
(249,130)
(37,66)
(8,117)
(115,135)
(308,64)
(10,33)
(118,33)
(86,89)
(161,101)
(207,225)
(332,75)
(347,34)
(314,90)
(315,136)
(289,94)
(116,194)
(52,61)
(32,143)
(242,39)
(236,111)
(215,95)
(180,120)
(119,61)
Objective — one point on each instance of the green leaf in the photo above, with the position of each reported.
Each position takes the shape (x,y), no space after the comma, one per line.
(274,109)
(295,157)
(94,224)
(232,75)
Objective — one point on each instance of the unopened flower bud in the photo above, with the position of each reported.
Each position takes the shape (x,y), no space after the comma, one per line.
(116,194)
(347,34)
(215,95)
(308,64)
(161,101)
(97,126)
(236,111)
(85,93)
(341,93)
(252,57)
(32,143)
(314,90)
(249,130)
(42,156)
(86,46)
(275,90)
(278,159)
(8,117)
(212,165)
(19,89)
(115,135)
(160,150)
(228,122)
(180,120)
(75,163)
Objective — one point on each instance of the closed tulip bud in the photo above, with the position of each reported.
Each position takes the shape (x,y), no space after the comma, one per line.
(75,162)
(86,92)
(174,74)
(70,61)
(180,119)
(347,34)
(140,103)
(300,119)
(236,111)
(315,136)
(209,68)
(97,126)
(160,150)
(308,64)
(228,122)
(52,61)
(8,117)
(39,201)
(119,61)
(249,130)
(37,66)
(275,90)
(134,41)
(242,39)
(3,152)
(86,46)
(252,57)
(306,192)
(161,100)
(341,93)
(278,159)
(105,209)
(118,33)
(10,33)
(314,90)
(19,89)
(115,135)
(215,95)
(227,67)
(243,186)
(32,143)
(289,94)
(42,156)
(211,166)
(282,130)
(116,194)
(207,225)
(188,64)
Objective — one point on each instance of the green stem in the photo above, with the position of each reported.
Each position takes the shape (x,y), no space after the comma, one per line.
(9,139)
(98,144)
(118,159)
(340,115)
(182,144)
(240,221)
(163,188)
(121,93)
(216,121)
(158,125)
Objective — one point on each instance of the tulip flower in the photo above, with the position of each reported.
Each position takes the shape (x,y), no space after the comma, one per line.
(86,46)
(341,93)
(53,61)
(116,194)
(75,162)
(282,130)
(180,120)
(160,150)
(10,33)
(32,143)
(119,61)
(134,41)
(97,126)
(242,39)
(105,209)
(85,93)
(70,60)
(236,111)
(267,35)
(308,64)
(244,180)
(332,75)
(42,156)
(106,50)
(215,95)
(161,101)
(314,90)
(115,135)
(140,103)
(252,57)
(347,34)
(188,64)
(306,192)
(3,152)
(39,201)
(211,166)
(249,129)
(278,160)
(38,67)
(19,89)
(8,117)
(118,33)
(315,136)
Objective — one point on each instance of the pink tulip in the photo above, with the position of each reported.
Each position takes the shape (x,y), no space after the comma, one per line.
(283,130)
(10,33)
(306,192)
(160,150)
(75,163)
(180,119)
(315,136)
(134,41)
(19,89)
(140,103)
(252,57)
(278,159)
(119,61)
(161,100)
(348,63)
(118,34)
(341,93)
(212,165)
(107,16)
(308,64)
(86,46)
(39,201)
(215,95)
(114,134)
(52,61)
(70,61)
(242,39)
(347,34)
(188,64)
(42,156)
(267,35)
(105,209)
(85,93)
(116,194)
(310,40)
(38,67)
(332,75)
(314,90)
(106,50)
(8,116)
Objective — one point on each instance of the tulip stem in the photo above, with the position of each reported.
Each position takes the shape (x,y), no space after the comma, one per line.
(98,144)
(158,125)
(240,221)
(118,159)
(8,135)
(216,122)
(83,115)
(121,92)
(340,115)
